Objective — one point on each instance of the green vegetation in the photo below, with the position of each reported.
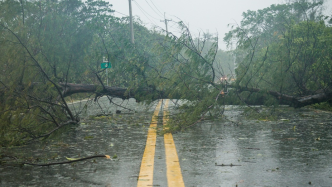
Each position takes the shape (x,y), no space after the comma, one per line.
(323,106)
(51,50)
(284,48)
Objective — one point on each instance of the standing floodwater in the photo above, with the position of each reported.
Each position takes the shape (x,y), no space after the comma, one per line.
(295,149)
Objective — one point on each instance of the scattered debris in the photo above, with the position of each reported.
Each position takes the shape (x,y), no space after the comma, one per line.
(252,148)
(231,165)
(71,160)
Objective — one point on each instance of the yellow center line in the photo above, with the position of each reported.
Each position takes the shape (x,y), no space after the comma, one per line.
(174,175)
(145,177)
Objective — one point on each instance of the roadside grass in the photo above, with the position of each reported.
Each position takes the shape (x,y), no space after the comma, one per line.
(327,106)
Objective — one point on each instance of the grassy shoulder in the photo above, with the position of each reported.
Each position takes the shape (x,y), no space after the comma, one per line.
(327,106)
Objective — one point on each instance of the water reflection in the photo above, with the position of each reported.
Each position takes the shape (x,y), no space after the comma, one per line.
(294,151)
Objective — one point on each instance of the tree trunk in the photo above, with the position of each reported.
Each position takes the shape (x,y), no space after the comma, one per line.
(71,88)
(118,92)
(124,93)
(296,102)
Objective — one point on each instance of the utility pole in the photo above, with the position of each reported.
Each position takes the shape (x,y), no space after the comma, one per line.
(131,23)
(165,20)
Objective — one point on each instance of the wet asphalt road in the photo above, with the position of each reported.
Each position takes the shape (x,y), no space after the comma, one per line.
(295,150)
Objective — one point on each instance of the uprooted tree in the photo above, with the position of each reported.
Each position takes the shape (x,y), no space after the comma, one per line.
(52,50)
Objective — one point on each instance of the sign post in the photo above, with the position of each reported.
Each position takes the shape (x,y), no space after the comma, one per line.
(106,65)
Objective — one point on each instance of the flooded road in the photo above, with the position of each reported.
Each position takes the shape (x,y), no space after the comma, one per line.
(294,150)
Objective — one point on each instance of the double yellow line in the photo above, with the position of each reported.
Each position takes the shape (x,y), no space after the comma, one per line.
(174,175)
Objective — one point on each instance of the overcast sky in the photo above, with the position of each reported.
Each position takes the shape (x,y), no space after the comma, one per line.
(202,16)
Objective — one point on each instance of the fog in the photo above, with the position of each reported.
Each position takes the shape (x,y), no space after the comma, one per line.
(212,16)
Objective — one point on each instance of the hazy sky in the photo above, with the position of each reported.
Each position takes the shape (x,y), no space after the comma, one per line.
(201,16)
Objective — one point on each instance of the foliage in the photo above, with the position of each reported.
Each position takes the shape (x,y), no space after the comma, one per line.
(189,71)
(284,48)
(47,44)
(323,106)
(44,43)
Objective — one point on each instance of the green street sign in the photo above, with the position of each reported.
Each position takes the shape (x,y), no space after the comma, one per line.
(106,65)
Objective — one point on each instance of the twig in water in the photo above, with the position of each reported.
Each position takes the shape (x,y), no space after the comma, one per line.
(67,162)
(231,165)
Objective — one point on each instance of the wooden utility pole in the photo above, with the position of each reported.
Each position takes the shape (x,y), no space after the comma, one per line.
(165,20)
(131,23)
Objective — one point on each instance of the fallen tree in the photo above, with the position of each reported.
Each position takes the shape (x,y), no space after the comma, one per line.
(293,101)
(124,93)
(117,92)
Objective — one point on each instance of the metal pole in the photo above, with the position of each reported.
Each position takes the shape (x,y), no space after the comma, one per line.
(131,23)
(106,77)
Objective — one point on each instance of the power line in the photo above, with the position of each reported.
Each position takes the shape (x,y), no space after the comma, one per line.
(156,7)
(152,8)
(144,12)
(120,13)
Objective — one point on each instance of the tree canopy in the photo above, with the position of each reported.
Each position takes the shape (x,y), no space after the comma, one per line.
(284,48)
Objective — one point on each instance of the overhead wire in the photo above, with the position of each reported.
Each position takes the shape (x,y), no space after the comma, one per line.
(120,13)
(145,13)
(154,9)
(162,15)
(148,16)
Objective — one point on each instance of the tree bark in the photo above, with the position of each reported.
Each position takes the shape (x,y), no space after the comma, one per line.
(124,93)
(118,92)
(296,102)
(71,88)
